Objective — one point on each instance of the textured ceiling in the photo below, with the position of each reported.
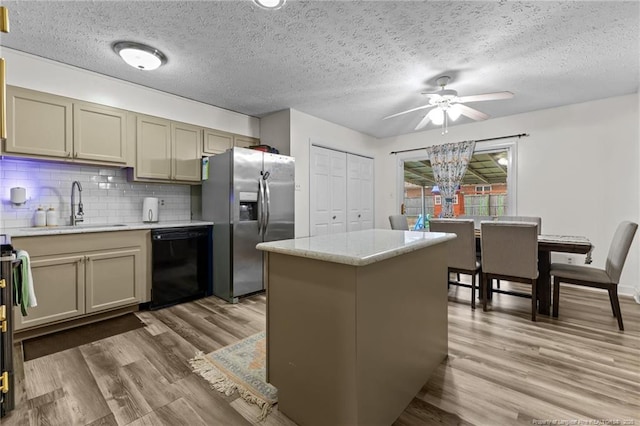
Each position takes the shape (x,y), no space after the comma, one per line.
(349,62)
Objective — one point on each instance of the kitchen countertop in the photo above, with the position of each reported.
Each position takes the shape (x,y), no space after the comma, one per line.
(358,248)
(85,228)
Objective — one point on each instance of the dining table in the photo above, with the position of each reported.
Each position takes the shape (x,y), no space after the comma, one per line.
(546,245)
(558,244)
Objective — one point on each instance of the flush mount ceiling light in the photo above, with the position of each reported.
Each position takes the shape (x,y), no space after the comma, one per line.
(139,55)
(270,4)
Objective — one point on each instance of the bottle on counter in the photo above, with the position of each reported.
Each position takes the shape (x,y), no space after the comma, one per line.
(41,217)
(52,217)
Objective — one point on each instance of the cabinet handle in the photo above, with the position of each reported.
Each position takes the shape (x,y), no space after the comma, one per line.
(358,215)
(334,218)
(69,154)
(75,155)
(3,318)
(4,382)
(3,283)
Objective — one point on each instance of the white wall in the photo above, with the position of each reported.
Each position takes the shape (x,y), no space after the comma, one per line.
(578,170)
(306,129)
(33,72)
(275,131)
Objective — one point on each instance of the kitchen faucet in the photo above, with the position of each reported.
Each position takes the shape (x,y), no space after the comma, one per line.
(79,216)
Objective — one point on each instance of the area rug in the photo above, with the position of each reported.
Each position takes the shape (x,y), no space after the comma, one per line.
(240,367)
(37,347)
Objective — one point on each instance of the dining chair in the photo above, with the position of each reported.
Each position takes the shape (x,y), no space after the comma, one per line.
(510,252)
(399,221)
(607,278)
(533,219)
(461,251)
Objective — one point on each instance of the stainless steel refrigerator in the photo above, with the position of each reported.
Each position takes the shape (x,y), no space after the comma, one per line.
(249,196)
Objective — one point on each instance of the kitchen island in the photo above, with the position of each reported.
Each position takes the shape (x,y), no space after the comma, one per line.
(356,323)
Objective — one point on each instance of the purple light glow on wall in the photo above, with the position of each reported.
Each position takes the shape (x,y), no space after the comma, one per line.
(11,177)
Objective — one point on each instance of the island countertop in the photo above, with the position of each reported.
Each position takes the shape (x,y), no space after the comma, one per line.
(357,248)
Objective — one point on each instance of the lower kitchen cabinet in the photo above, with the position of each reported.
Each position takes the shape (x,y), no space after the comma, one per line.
(59,286)
(77,275)
(113,278)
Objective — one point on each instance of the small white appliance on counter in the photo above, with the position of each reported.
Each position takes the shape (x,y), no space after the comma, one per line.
(150,209)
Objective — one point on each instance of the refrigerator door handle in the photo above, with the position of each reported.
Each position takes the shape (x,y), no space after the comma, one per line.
(268,198)
(261,211)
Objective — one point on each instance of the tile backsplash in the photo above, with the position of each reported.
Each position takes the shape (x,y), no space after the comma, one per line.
(107,196)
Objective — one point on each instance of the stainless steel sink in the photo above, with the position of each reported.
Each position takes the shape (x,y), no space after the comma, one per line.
(109,225)
(70,227)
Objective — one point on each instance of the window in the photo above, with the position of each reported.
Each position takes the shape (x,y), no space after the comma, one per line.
(437,199)
(483,189)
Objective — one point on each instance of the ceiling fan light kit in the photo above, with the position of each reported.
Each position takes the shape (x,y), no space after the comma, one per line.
(446,105)
(140,56)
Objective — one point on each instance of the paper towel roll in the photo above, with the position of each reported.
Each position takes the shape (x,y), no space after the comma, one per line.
(18,195)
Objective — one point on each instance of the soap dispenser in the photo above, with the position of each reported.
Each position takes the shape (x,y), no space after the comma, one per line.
(52,217)
(41,217)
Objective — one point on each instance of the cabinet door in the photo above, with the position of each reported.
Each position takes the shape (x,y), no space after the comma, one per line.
(187,143)
(114,278)
(59,289)
(38,123)
(99,133)
(153,147)
(244,141)
(216,141)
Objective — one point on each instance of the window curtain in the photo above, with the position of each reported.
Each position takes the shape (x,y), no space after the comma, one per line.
(449,163)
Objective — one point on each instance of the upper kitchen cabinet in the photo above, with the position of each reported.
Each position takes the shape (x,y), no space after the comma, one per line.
(186,152)
(244,141)
(153,148)
(216,142)
(50,126)
(38,123)
(166,150)
(99,133)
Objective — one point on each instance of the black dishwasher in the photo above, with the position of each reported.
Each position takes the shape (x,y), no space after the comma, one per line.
(181,267)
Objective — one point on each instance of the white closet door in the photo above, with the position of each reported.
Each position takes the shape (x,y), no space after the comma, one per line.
(359,192)
(366,193)
(354,193)
(327,189)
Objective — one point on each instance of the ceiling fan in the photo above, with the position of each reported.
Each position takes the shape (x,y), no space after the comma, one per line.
(447,105)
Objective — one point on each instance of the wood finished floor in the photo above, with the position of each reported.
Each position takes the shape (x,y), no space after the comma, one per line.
(502,368)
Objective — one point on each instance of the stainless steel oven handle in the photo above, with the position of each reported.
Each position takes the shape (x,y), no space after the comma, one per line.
(261,210)
(268,199)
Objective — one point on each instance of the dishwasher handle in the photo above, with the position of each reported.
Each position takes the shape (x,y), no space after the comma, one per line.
(182,234)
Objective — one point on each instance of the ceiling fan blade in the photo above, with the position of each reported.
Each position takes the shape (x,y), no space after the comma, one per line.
(423,122)
(486,97)
(472,113)
(431,94)
(410,110)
